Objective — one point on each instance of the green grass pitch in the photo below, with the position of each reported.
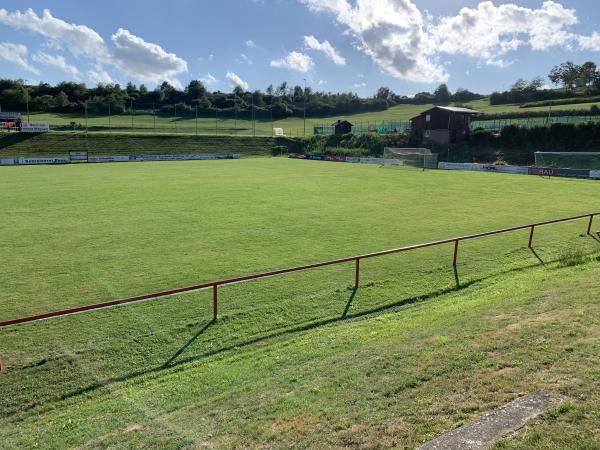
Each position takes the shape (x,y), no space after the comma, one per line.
(300,359)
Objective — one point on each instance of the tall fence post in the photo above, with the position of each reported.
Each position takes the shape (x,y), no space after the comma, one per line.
(154,116)
(531,235)
(357,274)
(215,302)
(454,261)
(589,230)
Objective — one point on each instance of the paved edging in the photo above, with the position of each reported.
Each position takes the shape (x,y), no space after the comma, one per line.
(496,424)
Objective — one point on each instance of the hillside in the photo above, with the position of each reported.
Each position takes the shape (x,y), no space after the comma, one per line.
(61,143)
(395,376)
(242,126)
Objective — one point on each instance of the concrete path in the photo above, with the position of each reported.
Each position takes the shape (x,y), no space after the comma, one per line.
(496,424)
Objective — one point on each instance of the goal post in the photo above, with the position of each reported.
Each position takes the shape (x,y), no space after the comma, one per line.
(568,160)
(416,157)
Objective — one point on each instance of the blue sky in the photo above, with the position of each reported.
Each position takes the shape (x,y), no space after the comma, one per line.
(336,45)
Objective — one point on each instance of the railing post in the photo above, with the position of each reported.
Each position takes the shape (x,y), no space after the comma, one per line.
(589,230)
(215,302)
(531,236)
(357,274)
(455,253)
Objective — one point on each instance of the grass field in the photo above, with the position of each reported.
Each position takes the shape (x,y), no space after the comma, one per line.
(294,126)
(300,360)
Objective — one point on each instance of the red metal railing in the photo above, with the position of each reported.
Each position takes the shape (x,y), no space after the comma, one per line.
(356,259)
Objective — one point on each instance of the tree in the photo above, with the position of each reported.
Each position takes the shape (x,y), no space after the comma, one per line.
(566,74)
(131,89)
(383,93)
(61,100)
(588,72)
(195,90)
(281,89)
(442,94)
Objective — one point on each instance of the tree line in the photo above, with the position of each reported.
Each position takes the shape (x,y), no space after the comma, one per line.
(573,79)
(280,101)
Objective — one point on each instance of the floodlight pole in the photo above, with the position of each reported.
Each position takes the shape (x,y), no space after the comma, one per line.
(304,107)
(27,101)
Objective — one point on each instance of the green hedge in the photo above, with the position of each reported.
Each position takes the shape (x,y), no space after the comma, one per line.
(517,145)
(367,144)
(568,101)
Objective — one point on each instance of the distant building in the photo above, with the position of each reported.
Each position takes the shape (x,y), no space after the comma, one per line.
(443,124)
(342,127)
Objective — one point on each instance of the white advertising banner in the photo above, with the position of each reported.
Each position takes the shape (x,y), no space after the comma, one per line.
(35,127)
(104,159)
(140,158)
(595,174)
(78,156)
(352,159)
(28,161)
(371,160)
(455,166)
(500,169)
(7,162)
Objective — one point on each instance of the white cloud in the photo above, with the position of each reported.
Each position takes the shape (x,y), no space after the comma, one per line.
(590,42)
(78,39)
(406,44)
(322,82)
(489,32)
(250,43)
(131,54)
(297,61)
(391,32)
(100,76)
(209,80)
(325,47)
(236,81)
(143,60)
(16,54)
(243,59)
(360,85)
(57,61)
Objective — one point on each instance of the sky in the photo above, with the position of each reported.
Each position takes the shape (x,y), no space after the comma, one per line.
(335,45)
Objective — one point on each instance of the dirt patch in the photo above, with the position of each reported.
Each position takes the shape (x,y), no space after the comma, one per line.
(300,425)
(134,427)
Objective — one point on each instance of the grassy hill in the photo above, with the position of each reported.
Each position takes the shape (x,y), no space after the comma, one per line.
(61,143)
(143,123)
(301,360)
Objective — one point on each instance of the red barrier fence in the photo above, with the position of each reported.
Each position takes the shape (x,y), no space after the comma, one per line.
(356,259)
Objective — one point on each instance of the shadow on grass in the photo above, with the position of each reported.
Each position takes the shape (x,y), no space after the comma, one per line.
(537,256)
(456,277)
(175,360)
(349,303)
